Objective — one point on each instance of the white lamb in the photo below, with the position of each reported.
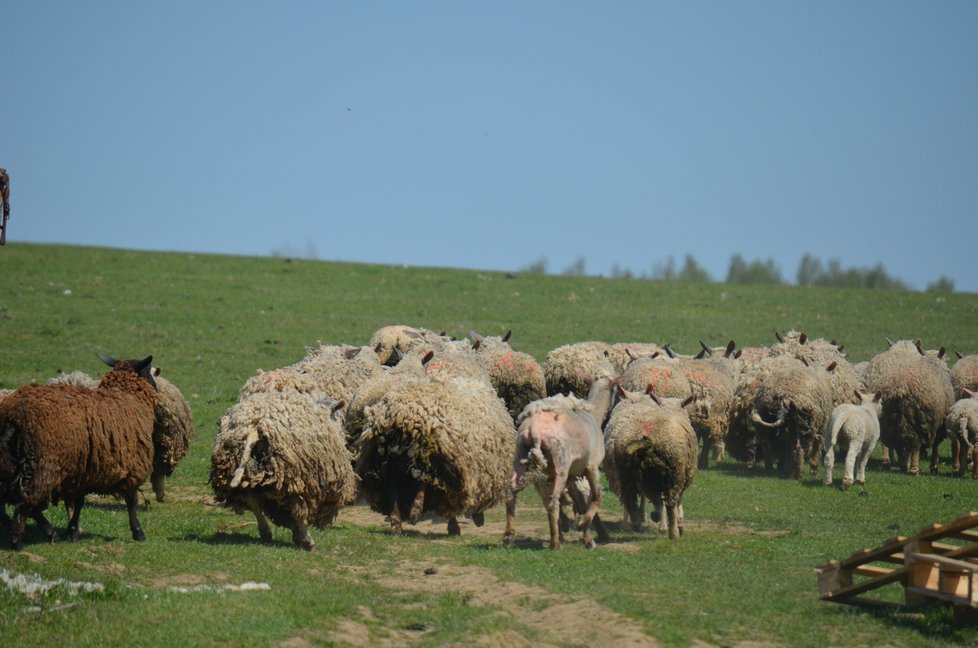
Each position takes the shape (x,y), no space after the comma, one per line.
(858,428)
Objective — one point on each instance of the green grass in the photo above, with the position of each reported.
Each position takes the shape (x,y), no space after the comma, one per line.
(743,571)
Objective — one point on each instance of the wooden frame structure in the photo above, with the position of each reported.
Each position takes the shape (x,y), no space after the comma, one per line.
(930,568)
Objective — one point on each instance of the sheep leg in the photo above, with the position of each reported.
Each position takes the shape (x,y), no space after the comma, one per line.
(73,531)
(934,458)
(661,513)
(479,518)
(453,528)
(673,519)
(828,463)
(157,480)
(682,517)
(861,462)
(395,520)
(704,459)
(264,531)
(914,462)
(132,499)
(851,456)
(17,527)
(300,535)
(509,535)
(553,505)
(417,507)
(974,461)
(43,524)
(630,501)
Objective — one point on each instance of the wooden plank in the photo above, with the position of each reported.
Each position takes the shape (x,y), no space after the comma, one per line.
(870,584)
(871,570)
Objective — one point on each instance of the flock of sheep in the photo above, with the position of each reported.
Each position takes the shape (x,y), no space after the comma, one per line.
(416,422)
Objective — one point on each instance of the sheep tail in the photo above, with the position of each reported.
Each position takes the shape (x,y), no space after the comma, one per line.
(245,457)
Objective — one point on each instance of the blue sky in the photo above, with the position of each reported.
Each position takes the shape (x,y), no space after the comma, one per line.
(491,135)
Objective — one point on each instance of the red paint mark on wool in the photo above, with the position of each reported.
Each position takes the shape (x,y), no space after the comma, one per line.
(647,429)
(660,379)
(701,379)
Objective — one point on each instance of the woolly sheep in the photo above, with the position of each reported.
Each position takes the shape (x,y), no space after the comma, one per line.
(62,442)
(651,452)
(388,340)
(964,374)
(917,395)
(792,403)
(843,379)
(858,428)
(664,375)
(961,426)
(339,370)
(173,432)
(561,438)
(516,376)
(622,354)
(282,454)
(438,446)
(572,368)
(410,368)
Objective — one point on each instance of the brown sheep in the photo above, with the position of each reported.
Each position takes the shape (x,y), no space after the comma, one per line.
(62,442)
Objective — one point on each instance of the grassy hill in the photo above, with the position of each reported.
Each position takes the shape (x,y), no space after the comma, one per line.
(742,573)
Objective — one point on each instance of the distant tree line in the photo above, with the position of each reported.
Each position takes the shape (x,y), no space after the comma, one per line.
(811,272)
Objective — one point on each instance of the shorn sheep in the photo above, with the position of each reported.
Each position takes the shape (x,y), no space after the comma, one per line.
(561,438)
(62,442)
(438,446)
(917,395)
(857,427)
(961,426)
(651,452)
(282,454)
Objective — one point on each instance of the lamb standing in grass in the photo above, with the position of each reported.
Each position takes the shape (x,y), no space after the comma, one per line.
(561,437)
(62,442)
(961,425)
(858,428)
(282,454)
(651,452)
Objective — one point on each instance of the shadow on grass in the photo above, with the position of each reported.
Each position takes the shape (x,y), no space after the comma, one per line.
(234,538)
(934,622)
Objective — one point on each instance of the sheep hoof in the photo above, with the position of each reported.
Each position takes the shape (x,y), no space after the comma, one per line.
(138,535)
(478,519)
(846,483)
(509,540)
(453,527)
(589,543)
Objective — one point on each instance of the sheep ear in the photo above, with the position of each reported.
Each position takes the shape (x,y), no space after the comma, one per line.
(841,348)
(427,357)
(669,351)
(889,342)
(738,354)
(334,411)
(941,352)
(655,355)
(352,353)
(959,354)
(109,360)
(920,347)
(686,403)
(651,393)
(804,361)
(707,350)
(508,335)
(968,392)
(142,364)
(476,344)
(878,396)
(832,366)
(700,355)
(378,347)
(411,334)
(859,396)
(622,394)
(156,372)
(802,338)
(731,347)
(778,336)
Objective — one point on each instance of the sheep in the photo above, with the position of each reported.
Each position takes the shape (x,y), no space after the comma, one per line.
(713,381)
(651,452)
(436,446)
(77,378)
(843,379)
(857,426)
(410,368)
(622,354)
(517,376)
(561,437)
(389,339)
(664,374)
(339,370)
(917,395)
(282,454)
(964,373)
(173,432)
(572,368)
(961,426)
(62,442)
(789,411)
